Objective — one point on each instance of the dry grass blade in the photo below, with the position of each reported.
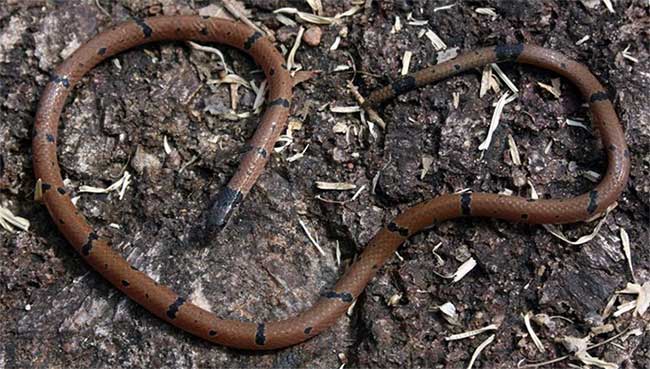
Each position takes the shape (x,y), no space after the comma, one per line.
(213,50)
(238,11)
(285,20)
(316,6)
(504,78)
(554,88)
(120,185)
(625,240)
(532,333)
(335,44)
(166,147)
(445,7)
(583,239)
(577,123)
(294,49)
(345,109)
(582,40)
(472,333)
(479,349)
(313,241)
(487,11)
(494,123)
(317,19)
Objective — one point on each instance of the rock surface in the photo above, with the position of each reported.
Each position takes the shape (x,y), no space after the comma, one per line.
(55,312)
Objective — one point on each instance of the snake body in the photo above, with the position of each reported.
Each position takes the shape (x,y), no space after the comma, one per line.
(169,306)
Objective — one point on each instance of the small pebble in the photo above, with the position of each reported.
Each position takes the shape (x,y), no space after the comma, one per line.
(312,36)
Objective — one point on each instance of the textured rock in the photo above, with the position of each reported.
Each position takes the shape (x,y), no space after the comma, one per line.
(55,312)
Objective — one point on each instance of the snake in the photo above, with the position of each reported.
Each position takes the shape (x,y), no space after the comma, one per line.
(332,302)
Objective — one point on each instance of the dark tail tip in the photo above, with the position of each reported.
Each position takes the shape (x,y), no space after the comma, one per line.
(226,202)
(214,219)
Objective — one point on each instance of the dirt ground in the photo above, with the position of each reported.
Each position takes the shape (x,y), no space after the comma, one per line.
(55,312)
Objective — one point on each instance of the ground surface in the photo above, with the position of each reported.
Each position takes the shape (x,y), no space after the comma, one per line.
(55,312)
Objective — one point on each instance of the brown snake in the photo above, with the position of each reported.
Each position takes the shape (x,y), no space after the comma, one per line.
(167,305)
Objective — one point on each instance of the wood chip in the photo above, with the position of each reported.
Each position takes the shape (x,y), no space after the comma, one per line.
(582,40)
(514,151)
(427,161)
(406,62)
(436,41)
(487,11)
(335,186)
(445,7)
(463,269)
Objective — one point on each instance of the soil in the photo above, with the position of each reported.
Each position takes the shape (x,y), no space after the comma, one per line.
(55,312)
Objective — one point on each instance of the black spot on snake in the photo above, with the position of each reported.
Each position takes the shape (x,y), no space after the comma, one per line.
(280,101)
(88,246)
(101,51)
(61,190)
(173,308)
(45,186)
(58,79)
(508,51)
(466,203)
(212,333)
(344,296)
(394,227)
(598,96)
(404,84)
(49,138)
(146,30)
(125,283)
(251,40)
(593,202)
(308,330)
(260,339)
